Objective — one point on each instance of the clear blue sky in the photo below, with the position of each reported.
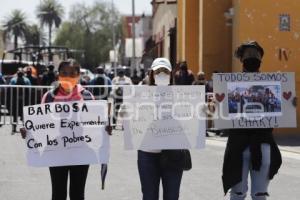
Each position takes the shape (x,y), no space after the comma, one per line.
(29,6)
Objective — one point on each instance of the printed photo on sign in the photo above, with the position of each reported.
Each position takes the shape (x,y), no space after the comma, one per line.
(253,99)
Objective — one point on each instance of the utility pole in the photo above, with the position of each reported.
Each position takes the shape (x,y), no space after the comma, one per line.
(133,62)
(114,38)
(41,29)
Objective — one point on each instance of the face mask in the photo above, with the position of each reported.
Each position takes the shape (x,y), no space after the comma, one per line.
(68,83)
(251,64)
(162,79)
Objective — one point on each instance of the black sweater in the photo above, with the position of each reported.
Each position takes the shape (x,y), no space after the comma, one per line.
(238,141)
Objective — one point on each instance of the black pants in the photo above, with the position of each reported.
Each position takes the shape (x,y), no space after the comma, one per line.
(59,180)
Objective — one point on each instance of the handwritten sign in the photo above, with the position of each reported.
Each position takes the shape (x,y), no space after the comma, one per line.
(164,117)
(66,133)
(254,100)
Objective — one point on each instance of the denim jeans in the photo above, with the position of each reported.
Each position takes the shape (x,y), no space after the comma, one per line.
(150,175)
(259,179)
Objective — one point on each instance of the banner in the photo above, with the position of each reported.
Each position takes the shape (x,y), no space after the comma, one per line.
(66,133)
(164,117)
(254,100)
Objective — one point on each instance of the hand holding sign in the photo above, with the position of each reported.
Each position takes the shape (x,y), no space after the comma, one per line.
(295,101)
(66,133)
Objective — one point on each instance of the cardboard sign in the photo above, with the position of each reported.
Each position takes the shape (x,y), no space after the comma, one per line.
(164,117)
(254,100)
(66,133)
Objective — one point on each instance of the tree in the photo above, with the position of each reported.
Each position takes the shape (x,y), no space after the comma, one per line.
(33,35)
(15,25)
(50,12)
(90,29)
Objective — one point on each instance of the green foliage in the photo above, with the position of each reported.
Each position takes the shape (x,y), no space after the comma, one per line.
(50,13)
(15,26)
(33,34)
(90,29)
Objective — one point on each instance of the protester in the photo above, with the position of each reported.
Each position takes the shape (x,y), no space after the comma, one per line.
(121,79)
(200,80)
(142,73)
(149,162)
(50,76)
(15,97)
(117,92)
(2,97)
(20,79)
(102,80)
(111,75)
(68,90)
(135,78)
(184,76)
(2,80)
(84,80)
(145,80)
(250,150)
(33,80)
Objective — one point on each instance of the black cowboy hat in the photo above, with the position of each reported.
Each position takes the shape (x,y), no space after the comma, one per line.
(250,44)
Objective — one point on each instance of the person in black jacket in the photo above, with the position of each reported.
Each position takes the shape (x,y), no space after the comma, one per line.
(251,151)
(184,76)
(50,76)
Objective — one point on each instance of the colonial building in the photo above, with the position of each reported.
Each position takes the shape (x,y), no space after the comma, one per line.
(164,29)
(209,31)
(1,43)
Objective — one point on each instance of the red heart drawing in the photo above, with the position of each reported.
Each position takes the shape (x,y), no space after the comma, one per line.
(220,97)
(287,95)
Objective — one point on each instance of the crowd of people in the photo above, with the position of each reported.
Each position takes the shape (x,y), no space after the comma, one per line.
(102,86)
(264,100)
(247,151)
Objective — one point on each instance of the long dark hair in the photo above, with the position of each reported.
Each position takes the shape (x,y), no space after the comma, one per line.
(152,81)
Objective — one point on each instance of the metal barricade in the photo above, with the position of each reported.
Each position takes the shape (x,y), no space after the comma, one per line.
(14,97)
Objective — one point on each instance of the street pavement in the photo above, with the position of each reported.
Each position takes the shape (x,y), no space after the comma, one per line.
(203,182)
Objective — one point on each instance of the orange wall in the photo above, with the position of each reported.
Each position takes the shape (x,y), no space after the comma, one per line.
(214,52)
(1,43)
(192,35)
(259,20)
(217,37)
(179,30)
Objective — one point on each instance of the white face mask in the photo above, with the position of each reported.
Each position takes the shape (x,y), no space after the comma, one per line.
(162,79)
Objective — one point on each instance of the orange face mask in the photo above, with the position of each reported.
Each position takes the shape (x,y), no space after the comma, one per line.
(68,83)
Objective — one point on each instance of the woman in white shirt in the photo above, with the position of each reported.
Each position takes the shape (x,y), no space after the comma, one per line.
(149,162)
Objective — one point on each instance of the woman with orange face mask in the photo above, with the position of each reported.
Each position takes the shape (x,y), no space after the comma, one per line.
(68,90)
